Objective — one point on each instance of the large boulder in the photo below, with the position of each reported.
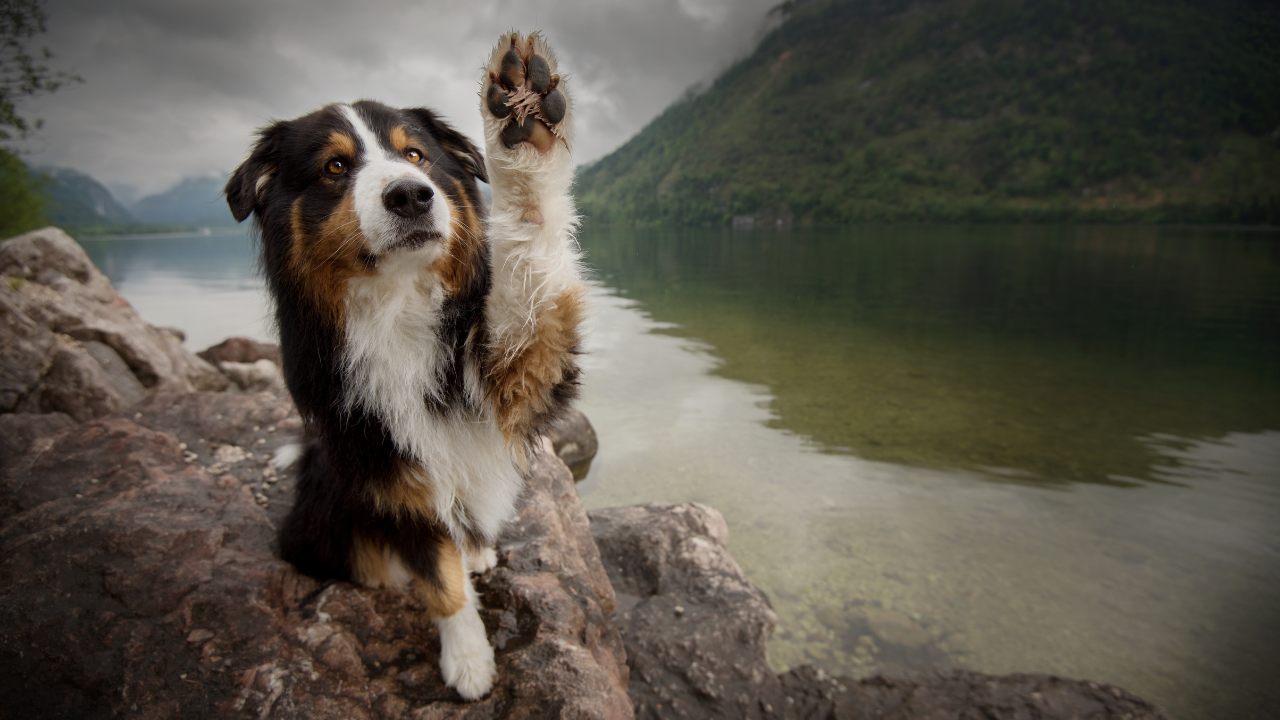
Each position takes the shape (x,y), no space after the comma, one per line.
(137,577)
(695,628)
(70,344)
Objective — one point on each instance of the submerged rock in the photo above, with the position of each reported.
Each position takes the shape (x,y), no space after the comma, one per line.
(959,694)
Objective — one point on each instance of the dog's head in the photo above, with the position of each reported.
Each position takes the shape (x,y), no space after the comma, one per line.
(340,191)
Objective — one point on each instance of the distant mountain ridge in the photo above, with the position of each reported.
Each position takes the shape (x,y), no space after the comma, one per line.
(1004,110)
(194,201)
(80,200)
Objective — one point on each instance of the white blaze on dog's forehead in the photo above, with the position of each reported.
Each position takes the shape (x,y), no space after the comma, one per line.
(372,148)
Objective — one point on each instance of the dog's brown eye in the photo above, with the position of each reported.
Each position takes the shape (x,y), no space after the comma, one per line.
(335,167)
(413,156)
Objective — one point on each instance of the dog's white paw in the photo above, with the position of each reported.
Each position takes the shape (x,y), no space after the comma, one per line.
(482,561)
(466,657)
(524,100)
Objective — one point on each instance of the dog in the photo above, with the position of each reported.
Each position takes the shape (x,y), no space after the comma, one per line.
(425,345)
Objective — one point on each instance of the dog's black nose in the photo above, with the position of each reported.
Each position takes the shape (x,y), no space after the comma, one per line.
(408,197)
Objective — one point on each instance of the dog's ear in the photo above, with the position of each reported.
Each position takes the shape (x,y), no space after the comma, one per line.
(458,145)
(248,183)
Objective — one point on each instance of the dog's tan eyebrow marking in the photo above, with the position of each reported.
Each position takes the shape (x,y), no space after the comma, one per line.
(340,144)
(402,141)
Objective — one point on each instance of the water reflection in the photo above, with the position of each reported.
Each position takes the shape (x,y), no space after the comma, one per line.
(1038,354)
(1133,535)
(207,285)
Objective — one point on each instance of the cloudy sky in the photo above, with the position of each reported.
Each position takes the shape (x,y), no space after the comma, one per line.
(176,88)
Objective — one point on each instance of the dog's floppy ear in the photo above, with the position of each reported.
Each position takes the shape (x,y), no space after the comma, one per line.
(462,149)
(248,183)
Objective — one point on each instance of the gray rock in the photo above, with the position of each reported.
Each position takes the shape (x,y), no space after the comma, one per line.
(83,380)
(26,348)
(574,442)
(259,376)
(695,628)
(72,344)
(240,350)
(137,579)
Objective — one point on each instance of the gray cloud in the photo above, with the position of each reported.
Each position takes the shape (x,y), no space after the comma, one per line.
(174,89)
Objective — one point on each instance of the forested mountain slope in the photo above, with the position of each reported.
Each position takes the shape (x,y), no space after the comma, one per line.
(883,110)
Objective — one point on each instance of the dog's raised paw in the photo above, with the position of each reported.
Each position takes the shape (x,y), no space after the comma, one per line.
(524,93)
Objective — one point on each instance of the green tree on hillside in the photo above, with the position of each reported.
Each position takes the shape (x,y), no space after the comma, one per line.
(23,74)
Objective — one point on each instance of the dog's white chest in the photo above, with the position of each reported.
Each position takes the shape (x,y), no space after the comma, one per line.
(394,365)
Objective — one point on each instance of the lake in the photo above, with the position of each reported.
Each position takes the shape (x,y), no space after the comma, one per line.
(1048,449)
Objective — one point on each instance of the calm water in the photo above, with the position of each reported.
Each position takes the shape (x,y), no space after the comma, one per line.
(1007,449)
(207,285)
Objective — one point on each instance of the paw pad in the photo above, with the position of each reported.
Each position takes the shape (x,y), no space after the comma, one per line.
(525,93)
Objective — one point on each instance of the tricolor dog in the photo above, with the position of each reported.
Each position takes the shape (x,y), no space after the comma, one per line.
(426,346)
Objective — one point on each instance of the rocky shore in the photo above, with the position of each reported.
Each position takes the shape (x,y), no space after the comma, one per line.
(138,577)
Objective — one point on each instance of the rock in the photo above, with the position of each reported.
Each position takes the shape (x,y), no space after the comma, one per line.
(895,628)
(695,628)
(84,380)
(25,347)
(695,631)
(71,344)
(574,441)
(960,694)
(137,578)
(18,430)
(240,350)
(255,376)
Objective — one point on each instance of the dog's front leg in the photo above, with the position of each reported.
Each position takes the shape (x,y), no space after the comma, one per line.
(536,304)
(466,657)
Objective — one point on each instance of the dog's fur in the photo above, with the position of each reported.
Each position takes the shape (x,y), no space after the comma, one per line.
(425,347)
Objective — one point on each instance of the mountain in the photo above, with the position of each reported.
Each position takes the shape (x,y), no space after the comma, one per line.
(978,110)
(193,202)
(77,199)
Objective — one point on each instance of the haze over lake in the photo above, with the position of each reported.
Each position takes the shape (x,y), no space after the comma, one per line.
(1008,449)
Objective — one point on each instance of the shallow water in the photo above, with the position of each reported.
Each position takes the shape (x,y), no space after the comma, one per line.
(206,285)
(1007,449)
